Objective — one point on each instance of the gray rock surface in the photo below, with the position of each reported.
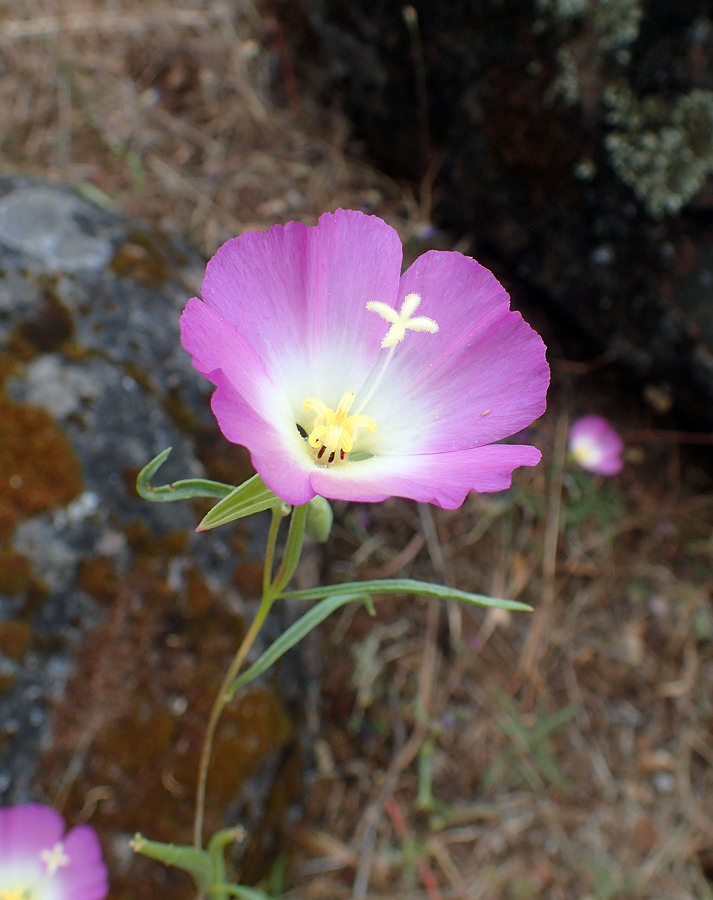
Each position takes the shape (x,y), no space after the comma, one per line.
(109,605)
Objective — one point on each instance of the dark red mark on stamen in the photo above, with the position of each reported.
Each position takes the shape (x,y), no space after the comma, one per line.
(342,454)
(321,451)
(331,457)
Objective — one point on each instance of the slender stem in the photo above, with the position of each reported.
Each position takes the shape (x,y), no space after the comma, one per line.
(277,516)
(224,696)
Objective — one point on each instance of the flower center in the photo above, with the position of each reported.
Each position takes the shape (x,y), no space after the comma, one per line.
(52,860)
(332,435)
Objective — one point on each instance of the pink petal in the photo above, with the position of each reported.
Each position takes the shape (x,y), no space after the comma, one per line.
(85,878)
(279,455)
(482,376)
(440,478)
(298,294)
(27,830)
(216,346)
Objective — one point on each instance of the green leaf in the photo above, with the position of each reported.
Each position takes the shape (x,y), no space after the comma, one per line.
(216,851)
(406,586)
(196,862)
(178,490)
(293,635)
(293,548)
(250,497)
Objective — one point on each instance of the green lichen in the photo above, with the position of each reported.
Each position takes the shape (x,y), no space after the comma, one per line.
(563,9)
(661,148)
(615,23)
(663,151)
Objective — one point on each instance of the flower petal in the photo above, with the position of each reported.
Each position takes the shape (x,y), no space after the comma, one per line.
(596,445)
(85,878)
(26,830)
(440,478)
(298,295)
(279,455)
(481,377)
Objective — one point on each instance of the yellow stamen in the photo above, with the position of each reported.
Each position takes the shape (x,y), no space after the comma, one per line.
(402,321)
(333,432)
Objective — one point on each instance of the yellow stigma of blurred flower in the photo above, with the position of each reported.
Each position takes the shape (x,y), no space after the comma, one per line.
(586,452)
(403,320)
(333,433)
(16,894)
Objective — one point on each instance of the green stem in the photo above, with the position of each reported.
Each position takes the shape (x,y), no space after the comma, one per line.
(277,516)
(224,695)
(271,590)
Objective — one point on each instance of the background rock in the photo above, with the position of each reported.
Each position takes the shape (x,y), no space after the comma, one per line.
(116,621)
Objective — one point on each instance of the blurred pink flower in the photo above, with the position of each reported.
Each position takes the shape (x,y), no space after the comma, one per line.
(38,862)
(325,372)
(596,446)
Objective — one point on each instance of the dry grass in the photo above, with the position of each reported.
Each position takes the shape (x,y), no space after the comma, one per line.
(170,111)
(565,754)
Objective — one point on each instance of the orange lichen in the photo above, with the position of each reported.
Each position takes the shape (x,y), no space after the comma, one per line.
(38,467)
(16,576)
(98,577)
(146,258)
(15,637)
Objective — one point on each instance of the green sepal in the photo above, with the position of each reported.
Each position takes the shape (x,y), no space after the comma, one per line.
(294,634)
(406,586)
(178,490)
(250,497)
(197,863)
(319,519)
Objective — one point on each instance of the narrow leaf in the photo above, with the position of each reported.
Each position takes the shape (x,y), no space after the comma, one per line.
(250,497)
(178,490)
(293,635)
(196,862)
(406,586)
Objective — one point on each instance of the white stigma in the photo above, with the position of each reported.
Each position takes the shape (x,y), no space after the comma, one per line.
(55,858)
(403,320)
(400,322)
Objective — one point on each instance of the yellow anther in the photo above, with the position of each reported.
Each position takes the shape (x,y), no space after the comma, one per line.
(403,320)
(333,432)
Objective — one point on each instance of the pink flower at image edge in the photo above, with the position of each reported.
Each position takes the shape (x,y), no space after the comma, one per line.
(596,446)
(39,861)
(338,387)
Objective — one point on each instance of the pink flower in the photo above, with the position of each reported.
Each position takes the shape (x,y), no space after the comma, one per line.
(596,446)
(38,862)
(324,372)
